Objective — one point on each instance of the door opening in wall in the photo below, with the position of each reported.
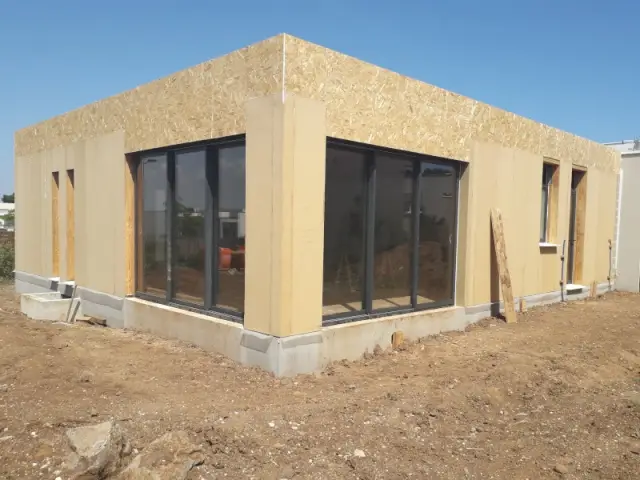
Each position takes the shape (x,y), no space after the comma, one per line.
(71,229)
(55,224)
(577,210)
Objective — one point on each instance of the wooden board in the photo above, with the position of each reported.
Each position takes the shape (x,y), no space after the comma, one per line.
(581,217)
(55,224)
(71,229)
(129,227)
(503,270)
(523,305)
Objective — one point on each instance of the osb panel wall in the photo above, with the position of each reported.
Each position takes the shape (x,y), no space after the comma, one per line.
(206,101)
(285,215)
(369,104)
(33,173)
(99,212)
(498,176)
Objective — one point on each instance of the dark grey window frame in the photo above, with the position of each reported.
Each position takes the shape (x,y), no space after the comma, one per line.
(211,149)
(368,246)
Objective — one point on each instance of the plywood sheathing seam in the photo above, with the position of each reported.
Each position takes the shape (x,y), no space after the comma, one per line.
(369,104)
(202,102)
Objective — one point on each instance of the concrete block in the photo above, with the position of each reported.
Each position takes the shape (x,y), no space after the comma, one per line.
(22,287)
(45,306)
(300,354)
(102,306)
(66,288)
(284,357)
(29,283)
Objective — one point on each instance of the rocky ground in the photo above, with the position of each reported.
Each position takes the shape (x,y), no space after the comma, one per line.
(556,395)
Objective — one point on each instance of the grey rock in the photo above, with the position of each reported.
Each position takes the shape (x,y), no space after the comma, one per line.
(561,468)
(98,449)
(633,398)
(169,457)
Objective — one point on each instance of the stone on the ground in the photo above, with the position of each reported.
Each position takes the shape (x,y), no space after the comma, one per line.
(97,450)
(169,457)
(632,397)
(561,468)
(358,453)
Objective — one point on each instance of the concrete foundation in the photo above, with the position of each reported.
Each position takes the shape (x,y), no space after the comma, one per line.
(284,356)
(102,306)
(28,283)
(45,306)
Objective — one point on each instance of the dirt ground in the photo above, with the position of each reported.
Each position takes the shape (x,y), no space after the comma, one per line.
(555,395)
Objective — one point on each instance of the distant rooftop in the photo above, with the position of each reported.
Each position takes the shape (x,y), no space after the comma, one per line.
(625,145)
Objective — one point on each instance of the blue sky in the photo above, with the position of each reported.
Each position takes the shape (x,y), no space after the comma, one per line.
(568,63)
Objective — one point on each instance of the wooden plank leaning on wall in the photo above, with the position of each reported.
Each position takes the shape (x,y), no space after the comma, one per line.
(503,270)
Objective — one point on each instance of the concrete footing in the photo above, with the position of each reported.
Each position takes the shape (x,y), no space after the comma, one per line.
(28,283)
(102,306)
(285,356)
(45,306)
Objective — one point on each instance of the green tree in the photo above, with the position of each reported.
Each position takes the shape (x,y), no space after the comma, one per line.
(9,218)
(9,198)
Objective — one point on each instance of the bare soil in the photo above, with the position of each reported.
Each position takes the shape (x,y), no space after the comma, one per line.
(549,397)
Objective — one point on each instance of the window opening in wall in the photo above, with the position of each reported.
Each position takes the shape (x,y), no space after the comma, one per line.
(549,203)
(390,229)
(55,224)
(191,226)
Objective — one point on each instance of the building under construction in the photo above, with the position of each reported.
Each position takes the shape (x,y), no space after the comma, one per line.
(287,205)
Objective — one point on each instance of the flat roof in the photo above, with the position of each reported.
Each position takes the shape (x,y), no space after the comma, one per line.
(364,103)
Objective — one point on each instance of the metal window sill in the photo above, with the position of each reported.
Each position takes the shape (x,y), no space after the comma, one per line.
(547,245)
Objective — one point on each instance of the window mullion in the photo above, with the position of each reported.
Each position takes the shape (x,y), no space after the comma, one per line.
(209,225)
(213,176)
(415,232)
(370,218)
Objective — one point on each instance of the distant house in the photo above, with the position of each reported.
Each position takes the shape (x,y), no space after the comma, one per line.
(4,209)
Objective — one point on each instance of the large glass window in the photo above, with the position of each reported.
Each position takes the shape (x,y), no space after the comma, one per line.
(344,208)
(189,215)
(392,232)
(390,228)
(437,232)
(191,226)
(153,244)
(231,227)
